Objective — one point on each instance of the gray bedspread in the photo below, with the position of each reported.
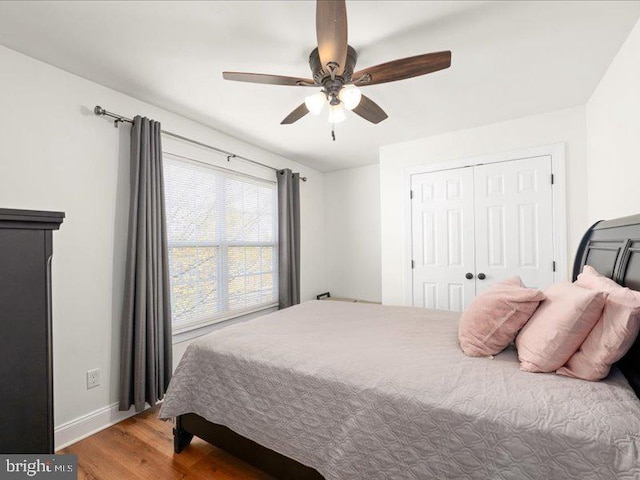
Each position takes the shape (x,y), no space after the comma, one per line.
(361,391)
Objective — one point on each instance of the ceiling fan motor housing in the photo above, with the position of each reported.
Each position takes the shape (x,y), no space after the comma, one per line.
(321,77)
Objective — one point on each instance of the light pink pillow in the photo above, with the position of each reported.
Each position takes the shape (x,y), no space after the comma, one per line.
(494,317)
(614,333)
(559,326)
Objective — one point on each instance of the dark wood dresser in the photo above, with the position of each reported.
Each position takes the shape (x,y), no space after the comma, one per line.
(26,374)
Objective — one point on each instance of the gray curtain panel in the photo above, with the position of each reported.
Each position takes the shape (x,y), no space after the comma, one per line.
(288,238)
(146,363)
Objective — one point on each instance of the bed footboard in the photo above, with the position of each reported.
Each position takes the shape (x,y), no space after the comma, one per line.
(273,463)
(181,438)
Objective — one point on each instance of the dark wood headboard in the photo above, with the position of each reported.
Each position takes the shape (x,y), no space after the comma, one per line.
(612,247)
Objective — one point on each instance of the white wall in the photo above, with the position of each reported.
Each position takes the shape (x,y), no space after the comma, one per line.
(56,155)
(352,222)
(613,136)
(555,127)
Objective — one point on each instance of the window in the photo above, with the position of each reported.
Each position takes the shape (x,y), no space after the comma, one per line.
(222,232)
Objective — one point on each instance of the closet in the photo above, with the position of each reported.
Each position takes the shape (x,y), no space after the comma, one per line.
(26,398)
(479,224)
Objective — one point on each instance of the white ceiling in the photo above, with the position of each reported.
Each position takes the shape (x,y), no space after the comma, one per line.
(510,59)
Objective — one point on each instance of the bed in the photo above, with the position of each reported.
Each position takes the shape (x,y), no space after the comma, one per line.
(339,390)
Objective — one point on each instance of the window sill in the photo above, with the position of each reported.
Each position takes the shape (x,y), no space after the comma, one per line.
(192,331)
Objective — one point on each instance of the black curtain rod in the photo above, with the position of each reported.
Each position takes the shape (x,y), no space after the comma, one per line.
(98,110)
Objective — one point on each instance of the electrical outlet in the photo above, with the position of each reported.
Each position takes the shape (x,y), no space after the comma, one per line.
(93,378)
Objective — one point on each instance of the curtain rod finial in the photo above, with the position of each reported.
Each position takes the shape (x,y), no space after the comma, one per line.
(98,110)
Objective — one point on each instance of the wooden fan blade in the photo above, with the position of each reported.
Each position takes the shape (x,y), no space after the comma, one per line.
(296,115)
(268,79)
(370,110)
(331,32)
(403,68)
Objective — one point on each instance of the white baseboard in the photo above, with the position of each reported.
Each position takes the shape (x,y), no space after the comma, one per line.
(88,424)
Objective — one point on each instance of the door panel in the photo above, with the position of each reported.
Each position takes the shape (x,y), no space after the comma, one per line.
(442,239)
(514,222)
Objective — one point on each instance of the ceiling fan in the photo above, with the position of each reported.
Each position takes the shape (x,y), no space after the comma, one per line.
(332,65)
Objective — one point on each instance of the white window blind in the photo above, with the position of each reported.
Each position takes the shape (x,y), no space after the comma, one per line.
(222,233)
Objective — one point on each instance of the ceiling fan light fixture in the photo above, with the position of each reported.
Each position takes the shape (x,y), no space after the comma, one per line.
(315,102)
(350,96)
(336,113)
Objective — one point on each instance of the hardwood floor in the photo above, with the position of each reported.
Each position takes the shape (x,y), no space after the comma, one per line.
(141,448)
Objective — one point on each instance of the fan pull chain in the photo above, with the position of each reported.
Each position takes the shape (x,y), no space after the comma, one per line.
(333,131)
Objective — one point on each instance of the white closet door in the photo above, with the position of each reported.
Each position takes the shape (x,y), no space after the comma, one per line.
(442,243)
(514,222)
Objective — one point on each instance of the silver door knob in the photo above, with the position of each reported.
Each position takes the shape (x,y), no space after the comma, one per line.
(469,276)
(481,276)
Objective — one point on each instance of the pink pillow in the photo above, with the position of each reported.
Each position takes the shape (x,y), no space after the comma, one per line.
(614,333)
(559,326)
(494,317)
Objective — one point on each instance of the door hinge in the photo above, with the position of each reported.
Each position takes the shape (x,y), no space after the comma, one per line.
(552,179)
(413,264)
(411,194)
(553,265)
